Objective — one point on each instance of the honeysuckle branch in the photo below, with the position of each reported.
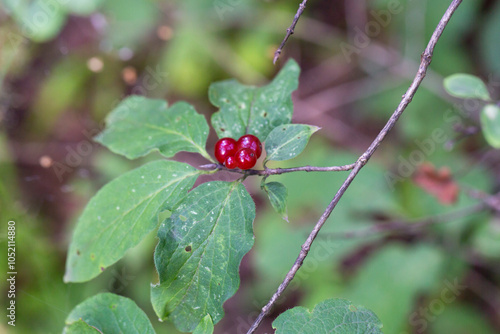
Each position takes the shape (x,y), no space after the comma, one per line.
(363,159)
(492,201)
(277,171)
(399,226)
(290,29)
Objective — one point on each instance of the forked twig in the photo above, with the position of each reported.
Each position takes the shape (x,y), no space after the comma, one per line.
(363,159)
(408,227)
(290,29)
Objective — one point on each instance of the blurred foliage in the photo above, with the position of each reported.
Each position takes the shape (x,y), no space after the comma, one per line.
(65,64)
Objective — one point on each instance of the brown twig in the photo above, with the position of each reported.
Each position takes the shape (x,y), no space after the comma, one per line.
(277,171)
(363,159)
(485,289)
(405,226)
(492,201)
(290,29)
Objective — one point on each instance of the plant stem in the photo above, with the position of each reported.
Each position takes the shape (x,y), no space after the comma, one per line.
(270,171)
(363,159)
(290,29)
(407,226)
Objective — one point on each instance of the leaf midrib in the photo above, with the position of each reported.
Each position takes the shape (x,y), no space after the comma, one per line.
(167,131)
(113,222)
(204,244)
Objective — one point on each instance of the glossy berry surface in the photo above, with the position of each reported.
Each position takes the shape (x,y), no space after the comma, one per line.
(225,148)
(230,162)
(250,142)
(245,158)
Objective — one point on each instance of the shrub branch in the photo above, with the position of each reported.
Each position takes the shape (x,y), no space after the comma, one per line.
(277,171)
(363,159)
(290,29)
(399,226)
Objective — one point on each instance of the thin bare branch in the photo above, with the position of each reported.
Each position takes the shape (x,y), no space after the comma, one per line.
(290,29)
(492,201)
(405,226)
(363,159)
(277,171)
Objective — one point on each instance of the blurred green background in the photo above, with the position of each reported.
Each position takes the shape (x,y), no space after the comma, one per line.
(65,64)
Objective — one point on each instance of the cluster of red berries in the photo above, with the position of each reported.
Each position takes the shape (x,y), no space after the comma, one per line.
(242,153)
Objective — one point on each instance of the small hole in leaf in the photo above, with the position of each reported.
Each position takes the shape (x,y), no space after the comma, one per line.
(188,248)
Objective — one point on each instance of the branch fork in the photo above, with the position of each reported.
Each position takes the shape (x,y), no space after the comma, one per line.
(407,98)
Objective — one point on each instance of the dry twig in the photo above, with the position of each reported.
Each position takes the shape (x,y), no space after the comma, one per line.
(277,171)
(363,159)
(290,29)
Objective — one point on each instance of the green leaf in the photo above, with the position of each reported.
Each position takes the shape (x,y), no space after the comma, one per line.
(110,313)
(205,326)
(122,213)
(466,86)
(287,141)
(200,249)
(490,124)
(138,126)
(278,195)
(254,110)
(80,327)
(331,316)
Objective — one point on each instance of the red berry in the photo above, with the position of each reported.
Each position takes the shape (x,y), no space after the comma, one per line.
(231,162)
(224,148)
(245,158)
(251,142)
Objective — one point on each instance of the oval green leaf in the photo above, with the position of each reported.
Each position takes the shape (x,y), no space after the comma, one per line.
(122,213)
(278,195)
(287,141)
(108,313)
(199,252)
(337,316)
(138,126)
(254,110)
(490,124)
(466,86)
